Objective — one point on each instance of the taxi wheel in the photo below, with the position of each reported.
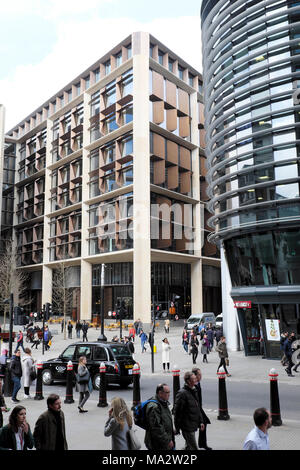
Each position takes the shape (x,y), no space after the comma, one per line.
(47,377)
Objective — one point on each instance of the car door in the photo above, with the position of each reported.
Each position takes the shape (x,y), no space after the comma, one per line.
(60,367)
(83,350)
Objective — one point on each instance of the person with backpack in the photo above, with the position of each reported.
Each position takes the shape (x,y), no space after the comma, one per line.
(158,421)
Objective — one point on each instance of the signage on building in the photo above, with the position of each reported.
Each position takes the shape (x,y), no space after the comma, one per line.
(243,304)
(272,329)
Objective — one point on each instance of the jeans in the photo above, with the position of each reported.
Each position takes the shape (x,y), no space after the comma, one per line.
(20,344)
(83,397)
(78,333)
(17,386)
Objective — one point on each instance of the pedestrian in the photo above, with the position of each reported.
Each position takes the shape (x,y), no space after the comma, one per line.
(202,439)
(70,328)
(287,345)
(283,337)
(160,431)
(83,378)
(136,327)
(85,327)
(185,340)
(201,327)
(62,324)
(3,363)
(3,407)
(205,347)
(16,435)
(258,438)
(223,355)
(46,338)
(187,413)
(210,336)
(35,339)
(129,344)
(50,431)
(165,355)
(194,343)
(144,339)
(118,424)
(27,367)
(78,327)
(167,326)
(20,339)
(16,374)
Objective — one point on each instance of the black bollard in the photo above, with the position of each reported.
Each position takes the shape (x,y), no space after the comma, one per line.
(274,399)
(102,389)
(223,407)
(8,383)
(39,382)
(176,382)
(69,388)
(136,398)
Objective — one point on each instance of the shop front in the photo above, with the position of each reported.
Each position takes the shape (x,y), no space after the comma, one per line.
(261,325)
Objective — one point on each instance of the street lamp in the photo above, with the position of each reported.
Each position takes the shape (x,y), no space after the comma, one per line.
(102,336)
(10,301)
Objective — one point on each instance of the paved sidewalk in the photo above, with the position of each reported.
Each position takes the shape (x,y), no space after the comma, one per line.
(85,431)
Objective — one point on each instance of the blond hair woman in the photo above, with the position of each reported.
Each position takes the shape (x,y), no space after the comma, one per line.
(118,423)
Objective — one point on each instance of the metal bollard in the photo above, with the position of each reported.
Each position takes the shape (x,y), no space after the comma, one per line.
(176,381)
(69,388)
(102,389)
(274,399)
(136,398)
(39,382)
(223,406)
(8,383)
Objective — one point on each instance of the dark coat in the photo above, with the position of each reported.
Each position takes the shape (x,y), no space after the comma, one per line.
(187,411)
(16,367)
(160,425)
(8,440)
(45,431)
(2,404)
(199,391)
(287,347)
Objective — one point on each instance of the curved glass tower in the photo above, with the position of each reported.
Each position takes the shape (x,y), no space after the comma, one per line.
(251,69)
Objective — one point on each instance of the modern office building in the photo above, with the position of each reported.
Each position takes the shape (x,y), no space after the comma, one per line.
(109,174)
(251,59)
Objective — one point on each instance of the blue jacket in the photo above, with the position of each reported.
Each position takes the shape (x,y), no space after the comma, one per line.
(287,347)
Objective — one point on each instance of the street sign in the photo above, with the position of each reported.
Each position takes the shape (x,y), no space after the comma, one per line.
(243,304)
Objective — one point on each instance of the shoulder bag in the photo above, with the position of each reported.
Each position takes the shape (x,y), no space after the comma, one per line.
(132,440)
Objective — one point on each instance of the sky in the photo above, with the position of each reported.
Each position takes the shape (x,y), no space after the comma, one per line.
(45,44)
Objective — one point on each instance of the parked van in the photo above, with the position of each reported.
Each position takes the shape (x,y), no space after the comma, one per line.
(197,318)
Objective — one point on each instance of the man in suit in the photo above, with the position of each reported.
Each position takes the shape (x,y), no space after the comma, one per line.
(202,441)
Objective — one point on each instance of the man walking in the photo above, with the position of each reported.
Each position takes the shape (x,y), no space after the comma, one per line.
(202,440)
(85,328)
(49,432)
(288,354)
(78,328)
(20,339)
(160,432)
(187,413)
(16,374)
(258,438)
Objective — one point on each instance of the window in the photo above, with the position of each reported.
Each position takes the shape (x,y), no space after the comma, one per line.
(107,66)
(97,74)
(160,57)
(83,351)
(87,82)
(119,59)
(180,72)
(171,64)
(69,352)
(100,354)
(129,51)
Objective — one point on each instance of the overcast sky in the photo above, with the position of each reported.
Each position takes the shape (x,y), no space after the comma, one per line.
(44,44)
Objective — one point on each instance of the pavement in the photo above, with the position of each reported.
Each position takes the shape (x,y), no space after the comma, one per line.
(85,431)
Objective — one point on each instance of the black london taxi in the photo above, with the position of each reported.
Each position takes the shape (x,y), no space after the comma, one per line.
(116,357)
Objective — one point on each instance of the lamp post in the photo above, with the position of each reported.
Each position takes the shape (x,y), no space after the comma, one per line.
(10,301)
(102,336)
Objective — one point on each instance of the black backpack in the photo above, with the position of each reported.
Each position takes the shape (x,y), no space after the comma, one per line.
(139,413)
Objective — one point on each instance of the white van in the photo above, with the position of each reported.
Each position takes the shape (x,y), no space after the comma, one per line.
(219,320)
(197,318)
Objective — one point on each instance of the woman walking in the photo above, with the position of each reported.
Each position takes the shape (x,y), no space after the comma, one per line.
(166,354)
(194,343)
(16,435)
(223,354)
(27,367)
(70,328)
(185,341)
(83,386)
(205,347)
(118,423)
(144,339)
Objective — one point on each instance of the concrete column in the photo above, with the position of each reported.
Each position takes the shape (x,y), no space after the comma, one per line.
(230,321)
(196,287)
(86,291)
(85,179)
(2,121)
(47,285)
(141,179)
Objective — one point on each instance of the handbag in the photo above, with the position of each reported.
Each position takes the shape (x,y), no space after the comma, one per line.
(83,379)
(33,374)
(227,361)
(132,440)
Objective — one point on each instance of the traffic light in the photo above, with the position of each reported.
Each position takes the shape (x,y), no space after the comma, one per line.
(48,311)
(19,316)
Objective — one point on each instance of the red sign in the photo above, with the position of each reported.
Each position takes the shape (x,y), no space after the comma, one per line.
(242,304)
